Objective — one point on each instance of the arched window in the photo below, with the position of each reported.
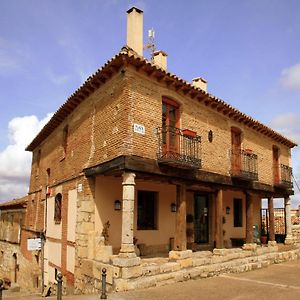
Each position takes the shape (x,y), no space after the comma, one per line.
(57,208)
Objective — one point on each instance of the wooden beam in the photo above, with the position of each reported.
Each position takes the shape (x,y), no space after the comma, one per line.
(271,219)
(180,225)
(219,238)
(249,218)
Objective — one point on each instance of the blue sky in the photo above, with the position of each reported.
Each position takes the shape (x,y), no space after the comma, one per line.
(247,50)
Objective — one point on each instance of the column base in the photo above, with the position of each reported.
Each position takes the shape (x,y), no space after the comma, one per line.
(289,240)
(121,261)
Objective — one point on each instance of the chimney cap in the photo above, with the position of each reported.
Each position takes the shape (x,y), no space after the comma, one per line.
(199,79)
(134,8)
(163,53)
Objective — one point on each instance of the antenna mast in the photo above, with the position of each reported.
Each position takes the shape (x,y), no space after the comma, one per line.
(150,45)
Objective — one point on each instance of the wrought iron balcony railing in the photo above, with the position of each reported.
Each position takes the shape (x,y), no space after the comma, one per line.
(283,176)
(179,148)
(244,164)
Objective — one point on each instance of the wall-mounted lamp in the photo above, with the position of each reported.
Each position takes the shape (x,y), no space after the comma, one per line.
(210,136)
(227,210)
(173,207)
(117,205)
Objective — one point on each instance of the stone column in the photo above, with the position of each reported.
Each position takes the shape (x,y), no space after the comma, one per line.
(219,238)
(127,246)
(271,220)
(180,229)
(249,218)
(127,256)
(288,221)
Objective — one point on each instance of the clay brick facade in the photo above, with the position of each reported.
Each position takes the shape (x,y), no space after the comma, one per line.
(89,158)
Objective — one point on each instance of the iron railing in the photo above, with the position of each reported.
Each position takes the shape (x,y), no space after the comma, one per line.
(285,177)
(244,164)
(179,148)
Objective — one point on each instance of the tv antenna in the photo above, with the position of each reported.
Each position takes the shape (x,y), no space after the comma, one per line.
(150,45)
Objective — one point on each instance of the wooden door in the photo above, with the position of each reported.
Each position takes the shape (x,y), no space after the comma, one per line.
(236,151)
(170,118)
(201,226)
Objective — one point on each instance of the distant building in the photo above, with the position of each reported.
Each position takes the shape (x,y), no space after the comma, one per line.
(138,161)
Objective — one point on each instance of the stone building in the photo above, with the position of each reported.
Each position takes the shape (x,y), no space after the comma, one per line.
(17,264)
(138,162)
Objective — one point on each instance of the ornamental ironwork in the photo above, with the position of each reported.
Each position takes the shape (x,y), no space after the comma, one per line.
(244,164)
(179,147)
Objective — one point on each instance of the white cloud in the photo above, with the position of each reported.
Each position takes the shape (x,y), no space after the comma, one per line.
(288,124)
(15,162)
(290,78)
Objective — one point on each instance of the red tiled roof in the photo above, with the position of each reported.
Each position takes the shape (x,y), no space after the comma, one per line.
(128,56)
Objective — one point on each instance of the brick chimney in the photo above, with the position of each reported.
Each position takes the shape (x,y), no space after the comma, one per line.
(135,29)
(201,83)
(160,59)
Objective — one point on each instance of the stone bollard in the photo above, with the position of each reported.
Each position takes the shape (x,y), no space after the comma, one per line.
(1,288)
(103,292)
(59,286)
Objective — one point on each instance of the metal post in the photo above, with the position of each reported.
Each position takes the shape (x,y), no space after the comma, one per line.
(59,286)
(103,293)
(1,288)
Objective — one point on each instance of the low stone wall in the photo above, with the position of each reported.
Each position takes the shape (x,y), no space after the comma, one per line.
(181,266)
(28,272)
(296,234)
(188,265)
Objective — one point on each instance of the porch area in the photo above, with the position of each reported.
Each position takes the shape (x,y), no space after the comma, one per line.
(152,230)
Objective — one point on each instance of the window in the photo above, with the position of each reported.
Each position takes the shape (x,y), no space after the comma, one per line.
(147,210)
(238,212)
(236,150)
(57,208)
(65,138)
(170,121)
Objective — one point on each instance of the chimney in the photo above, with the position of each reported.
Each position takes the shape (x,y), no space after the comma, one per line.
(201,83)
(160,59)
(135,29)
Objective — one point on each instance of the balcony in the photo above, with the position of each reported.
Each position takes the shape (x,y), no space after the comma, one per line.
(283,176)
(244,165)
(179,148)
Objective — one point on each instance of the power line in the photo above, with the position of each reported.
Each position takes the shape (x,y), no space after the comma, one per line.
(296,182)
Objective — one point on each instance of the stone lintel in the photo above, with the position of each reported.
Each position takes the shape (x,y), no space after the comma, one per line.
(175,255)
(250,246)
(272,243)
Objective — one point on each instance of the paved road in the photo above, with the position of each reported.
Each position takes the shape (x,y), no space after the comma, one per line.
(276,282)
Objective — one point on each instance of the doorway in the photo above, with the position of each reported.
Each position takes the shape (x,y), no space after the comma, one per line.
(201,226)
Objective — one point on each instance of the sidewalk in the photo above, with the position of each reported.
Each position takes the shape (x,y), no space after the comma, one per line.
(278,281)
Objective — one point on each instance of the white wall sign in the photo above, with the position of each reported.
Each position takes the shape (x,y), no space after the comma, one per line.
(34,244)
(79,188)
(138,128)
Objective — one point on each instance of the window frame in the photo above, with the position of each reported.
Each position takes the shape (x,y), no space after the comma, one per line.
(58,208)
(143,205)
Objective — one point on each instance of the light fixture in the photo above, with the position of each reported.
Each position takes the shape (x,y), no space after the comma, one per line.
(210,136)
(173,207)
(227,210)
(117,205)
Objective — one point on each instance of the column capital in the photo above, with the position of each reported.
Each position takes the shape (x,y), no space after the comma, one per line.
(128,178)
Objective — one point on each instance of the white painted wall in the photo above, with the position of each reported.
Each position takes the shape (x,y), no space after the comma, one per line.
(72,213)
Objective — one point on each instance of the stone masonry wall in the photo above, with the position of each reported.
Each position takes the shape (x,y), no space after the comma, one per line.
(28,273)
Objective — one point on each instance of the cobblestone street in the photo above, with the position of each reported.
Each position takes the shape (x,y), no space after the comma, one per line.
(279,281)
